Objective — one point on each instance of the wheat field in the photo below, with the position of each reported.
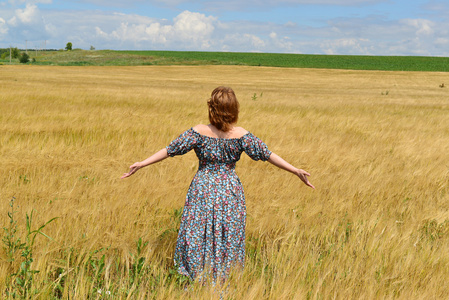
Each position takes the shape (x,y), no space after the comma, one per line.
(376,144)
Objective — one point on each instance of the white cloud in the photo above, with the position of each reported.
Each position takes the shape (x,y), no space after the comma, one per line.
(346,46)
(290,24)
(377,36)
(423,27)
(3,28)
(193,26)
(189,30)
(277,44)
(28,15)
(255,41)
(26,23)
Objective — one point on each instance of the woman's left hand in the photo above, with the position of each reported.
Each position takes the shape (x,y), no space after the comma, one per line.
(132,169)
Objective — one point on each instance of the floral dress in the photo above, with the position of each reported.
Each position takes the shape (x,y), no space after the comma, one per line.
(211,237)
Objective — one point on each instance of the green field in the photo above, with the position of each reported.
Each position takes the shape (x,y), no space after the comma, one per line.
(134,58)
(386,63)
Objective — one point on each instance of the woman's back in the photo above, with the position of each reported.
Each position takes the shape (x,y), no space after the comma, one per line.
(212,131)
(213,150)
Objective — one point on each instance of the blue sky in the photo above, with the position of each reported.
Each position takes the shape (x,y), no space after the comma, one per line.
(347,27)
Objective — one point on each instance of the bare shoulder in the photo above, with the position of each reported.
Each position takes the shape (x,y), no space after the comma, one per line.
(201,128)
(240,131)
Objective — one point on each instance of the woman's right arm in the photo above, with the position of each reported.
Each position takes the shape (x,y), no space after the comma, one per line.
(157,157)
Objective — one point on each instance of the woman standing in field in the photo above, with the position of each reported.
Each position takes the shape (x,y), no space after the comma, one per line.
(211,237)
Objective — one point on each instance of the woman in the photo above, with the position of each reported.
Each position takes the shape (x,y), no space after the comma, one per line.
(211,237)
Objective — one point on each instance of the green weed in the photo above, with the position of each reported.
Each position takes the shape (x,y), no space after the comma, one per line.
(21,281)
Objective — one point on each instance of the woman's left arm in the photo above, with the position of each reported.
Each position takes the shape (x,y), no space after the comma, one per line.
(280,163)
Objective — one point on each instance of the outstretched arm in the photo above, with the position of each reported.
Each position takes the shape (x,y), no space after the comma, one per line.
(157,157)
(280,163)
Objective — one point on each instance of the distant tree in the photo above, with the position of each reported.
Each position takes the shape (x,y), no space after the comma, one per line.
(92,48)
(68,47)
(15,52)
(24,58)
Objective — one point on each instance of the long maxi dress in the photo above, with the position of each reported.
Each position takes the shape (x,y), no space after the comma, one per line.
(211,238)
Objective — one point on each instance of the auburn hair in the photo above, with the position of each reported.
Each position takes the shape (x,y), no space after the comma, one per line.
(223,108)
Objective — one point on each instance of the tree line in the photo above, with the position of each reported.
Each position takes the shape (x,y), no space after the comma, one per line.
(22,55)
(16,53)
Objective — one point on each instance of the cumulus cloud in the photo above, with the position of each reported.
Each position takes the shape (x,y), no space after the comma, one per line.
(380,36)
(246,42)
(189,30)
(26,23)
(350,46)
(3,28)
(193,26)
(281,44)
(28,15)
(423,27)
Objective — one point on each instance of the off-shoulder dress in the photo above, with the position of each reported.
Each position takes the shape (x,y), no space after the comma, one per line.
(211,238)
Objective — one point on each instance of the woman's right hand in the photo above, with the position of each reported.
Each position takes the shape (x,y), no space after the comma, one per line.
(132,169)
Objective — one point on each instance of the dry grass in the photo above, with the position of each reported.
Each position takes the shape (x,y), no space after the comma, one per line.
(376,143)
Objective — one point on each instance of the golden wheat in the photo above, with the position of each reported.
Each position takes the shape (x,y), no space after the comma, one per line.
(376,144)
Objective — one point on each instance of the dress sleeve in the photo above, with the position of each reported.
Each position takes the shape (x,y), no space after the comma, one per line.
(184,143)
(255,148)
